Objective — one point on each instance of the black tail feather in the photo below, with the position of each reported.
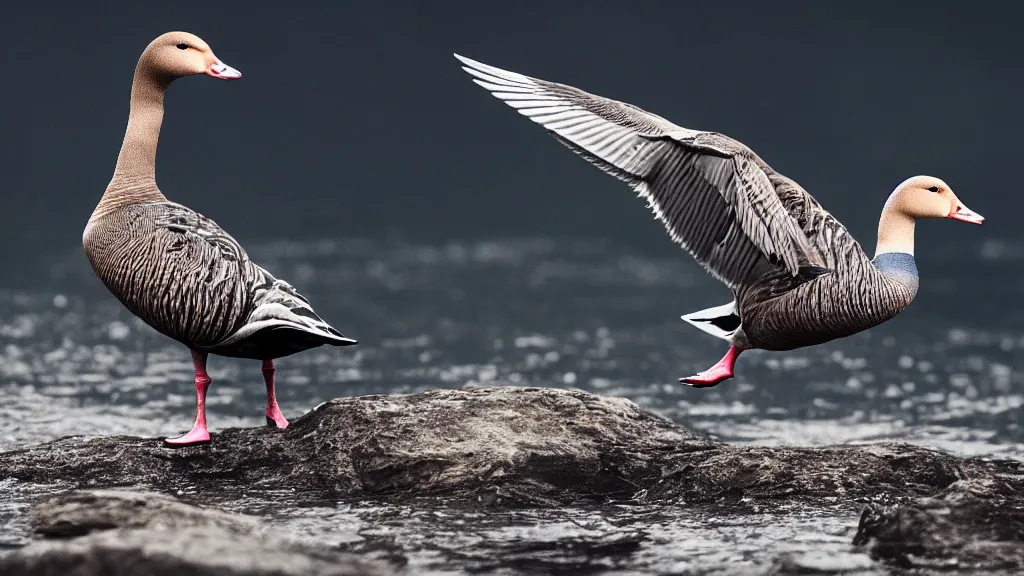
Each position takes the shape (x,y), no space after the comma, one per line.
(808,273)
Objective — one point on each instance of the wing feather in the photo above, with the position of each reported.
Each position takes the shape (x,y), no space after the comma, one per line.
(260,300)
(710,191)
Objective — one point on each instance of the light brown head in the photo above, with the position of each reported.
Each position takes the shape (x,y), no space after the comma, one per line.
(171,55)
(929,197)
(176,54)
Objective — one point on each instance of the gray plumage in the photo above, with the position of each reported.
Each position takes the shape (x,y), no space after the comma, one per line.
(178,270)
(797,275)
(187,278)
(781,312)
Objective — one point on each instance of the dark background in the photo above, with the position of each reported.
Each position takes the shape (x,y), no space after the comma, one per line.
(354,119)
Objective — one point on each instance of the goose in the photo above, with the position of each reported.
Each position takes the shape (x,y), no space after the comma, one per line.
(797,277)
(178,270)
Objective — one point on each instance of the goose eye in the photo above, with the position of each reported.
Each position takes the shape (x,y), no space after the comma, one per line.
(933,189)
(182,46)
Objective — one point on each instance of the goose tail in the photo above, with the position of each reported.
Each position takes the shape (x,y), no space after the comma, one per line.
(720,321)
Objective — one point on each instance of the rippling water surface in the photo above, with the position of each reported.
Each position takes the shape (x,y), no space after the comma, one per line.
(571,313)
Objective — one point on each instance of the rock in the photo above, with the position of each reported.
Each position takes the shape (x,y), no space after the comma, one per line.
(80,513)
(509,447)
(847,475)
(129,533)
(975,524)
(500,445)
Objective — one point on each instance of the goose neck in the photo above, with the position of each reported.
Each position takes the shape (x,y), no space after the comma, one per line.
(134,179)
(895,232)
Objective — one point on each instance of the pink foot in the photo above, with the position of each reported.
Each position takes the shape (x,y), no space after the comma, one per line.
(195,436)
(198,434)
(717,374)
(273,413)
(275,418)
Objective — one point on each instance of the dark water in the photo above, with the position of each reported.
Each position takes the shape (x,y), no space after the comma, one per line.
(568,313)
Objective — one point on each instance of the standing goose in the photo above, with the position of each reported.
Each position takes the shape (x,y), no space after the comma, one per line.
(178,270)
(797,276)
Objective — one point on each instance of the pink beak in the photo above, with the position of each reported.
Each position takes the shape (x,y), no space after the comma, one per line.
(218,69)
(965,214)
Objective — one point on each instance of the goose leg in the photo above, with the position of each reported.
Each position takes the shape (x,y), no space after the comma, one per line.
(199,434)
(274,415)
(718,373)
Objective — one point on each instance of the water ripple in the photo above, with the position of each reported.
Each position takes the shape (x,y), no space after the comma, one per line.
(567,313)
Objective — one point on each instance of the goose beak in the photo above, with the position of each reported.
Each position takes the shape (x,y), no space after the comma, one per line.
(965,214)
(221,70)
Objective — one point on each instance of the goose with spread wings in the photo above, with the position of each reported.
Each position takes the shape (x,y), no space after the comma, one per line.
(797,277)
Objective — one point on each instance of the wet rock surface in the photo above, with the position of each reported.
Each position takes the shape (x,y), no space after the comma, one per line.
(973,524)
(513,448)
(110,532)
(502,445)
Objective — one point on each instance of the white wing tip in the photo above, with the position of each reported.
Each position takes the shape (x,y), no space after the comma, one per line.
(702,320)
(491,73)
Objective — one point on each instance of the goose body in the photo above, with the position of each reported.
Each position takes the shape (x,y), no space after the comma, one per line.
(178,270)
(797,276)
(187,278)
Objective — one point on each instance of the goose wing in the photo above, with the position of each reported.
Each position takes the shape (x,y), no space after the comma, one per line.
(710,191)
(278,306)
(838,249)
(234,286)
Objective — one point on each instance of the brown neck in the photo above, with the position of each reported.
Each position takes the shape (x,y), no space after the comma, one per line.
(134,178)
(895,232)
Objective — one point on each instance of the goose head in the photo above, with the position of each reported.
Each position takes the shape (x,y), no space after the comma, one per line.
(929,197)
(176,54)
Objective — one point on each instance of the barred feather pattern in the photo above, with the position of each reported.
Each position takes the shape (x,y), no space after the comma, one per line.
(187,278)
(750,227)
(779,312)
(709,192)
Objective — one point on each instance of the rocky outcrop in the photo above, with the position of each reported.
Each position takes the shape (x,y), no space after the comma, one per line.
(974,524)
(504,446)
(109,532)
(507,447)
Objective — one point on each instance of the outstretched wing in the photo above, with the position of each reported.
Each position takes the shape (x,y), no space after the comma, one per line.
(710,191)
(839,250)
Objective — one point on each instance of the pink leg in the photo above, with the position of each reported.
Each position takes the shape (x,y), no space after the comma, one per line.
(716,374)
(274,415)
(199,434)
